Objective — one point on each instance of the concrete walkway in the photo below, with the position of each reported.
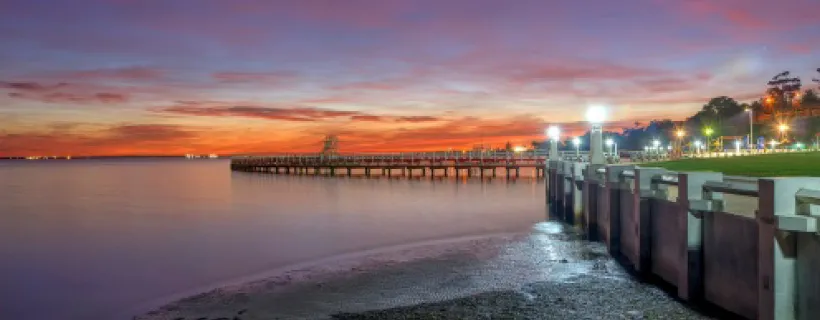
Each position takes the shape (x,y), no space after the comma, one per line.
(548,273)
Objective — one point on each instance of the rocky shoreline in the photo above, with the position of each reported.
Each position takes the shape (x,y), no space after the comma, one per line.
(550,273)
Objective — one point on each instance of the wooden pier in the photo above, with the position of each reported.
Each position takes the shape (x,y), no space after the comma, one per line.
(456,164)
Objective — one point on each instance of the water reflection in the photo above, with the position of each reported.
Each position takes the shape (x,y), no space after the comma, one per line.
(86,239)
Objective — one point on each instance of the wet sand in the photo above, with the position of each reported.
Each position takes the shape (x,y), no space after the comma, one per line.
(549,273)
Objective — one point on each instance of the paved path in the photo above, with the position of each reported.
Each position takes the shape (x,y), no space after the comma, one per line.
(549,273)
(734,204)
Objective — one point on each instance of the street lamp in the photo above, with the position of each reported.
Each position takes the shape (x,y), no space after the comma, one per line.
(680,134)
(656,146)
(782,128)
(708,132)
(554,133)
(698,145)
(751,126)
(596,115)
(577,142)
(737,146)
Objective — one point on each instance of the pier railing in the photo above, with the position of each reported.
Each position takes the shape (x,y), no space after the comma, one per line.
(487,156)
(467,163)
(748,245)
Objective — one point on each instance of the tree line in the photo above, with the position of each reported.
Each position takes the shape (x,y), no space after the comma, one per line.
(785,102)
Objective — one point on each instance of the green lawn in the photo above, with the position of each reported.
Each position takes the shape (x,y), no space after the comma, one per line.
(770,165)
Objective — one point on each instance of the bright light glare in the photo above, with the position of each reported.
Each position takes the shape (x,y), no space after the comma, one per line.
(519,149)
(576,141)
(698,143)
(596,114)
(783,127)
(609,142)
(708,131)
(680,133)
(656,143)
(737,143)
(554,132)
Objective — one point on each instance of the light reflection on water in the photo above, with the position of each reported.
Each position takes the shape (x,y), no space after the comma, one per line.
(84,239)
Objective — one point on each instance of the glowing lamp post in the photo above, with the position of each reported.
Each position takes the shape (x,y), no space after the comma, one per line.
(708,132)
(751,126)
(782,128)
(554,133)
(609,144)
(737,146)
(656,144)
(595,116)
(680,134)
(698,145)
(577,142)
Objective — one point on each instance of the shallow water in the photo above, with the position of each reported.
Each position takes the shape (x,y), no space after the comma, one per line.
(547,273)
(93,239)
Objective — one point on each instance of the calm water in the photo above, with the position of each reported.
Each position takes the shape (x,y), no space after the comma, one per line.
(92,239)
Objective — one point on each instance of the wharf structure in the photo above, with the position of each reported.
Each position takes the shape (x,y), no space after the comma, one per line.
(480,164)
(750,246)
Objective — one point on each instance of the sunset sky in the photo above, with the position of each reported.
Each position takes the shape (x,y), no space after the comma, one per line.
(136,77)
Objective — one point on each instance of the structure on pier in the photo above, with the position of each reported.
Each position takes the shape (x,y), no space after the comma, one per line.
(330,146)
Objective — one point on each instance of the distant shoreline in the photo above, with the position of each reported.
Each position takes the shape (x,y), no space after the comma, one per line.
(110,158)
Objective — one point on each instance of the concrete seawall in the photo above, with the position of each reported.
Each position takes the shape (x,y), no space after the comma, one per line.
(748,246)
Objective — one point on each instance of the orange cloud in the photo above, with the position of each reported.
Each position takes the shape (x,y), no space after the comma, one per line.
(122,139)
(79,139)
(55,93)
(297,114)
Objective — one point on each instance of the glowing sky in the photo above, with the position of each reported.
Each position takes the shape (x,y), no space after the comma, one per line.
(238,76)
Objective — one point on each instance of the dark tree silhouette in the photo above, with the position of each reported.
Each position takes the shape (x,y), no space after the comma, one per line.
(782,88)
(724,116)
(810,99)
(815,79)
(784,83)
(716,114)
